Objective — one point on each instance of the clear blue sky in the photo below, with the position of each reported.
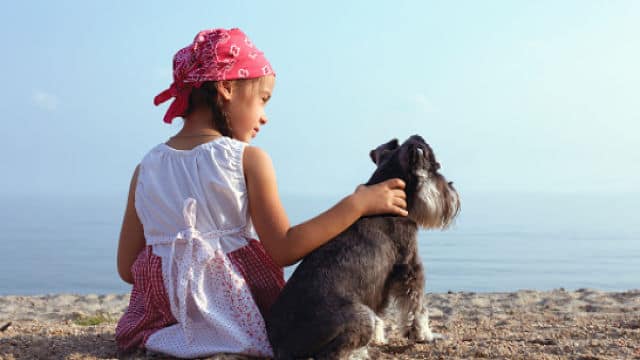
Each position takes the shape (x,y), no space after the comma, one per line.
(535,96)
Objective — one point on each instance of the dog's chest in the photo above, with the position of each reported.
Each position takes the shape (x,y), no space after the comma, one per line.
(371,248)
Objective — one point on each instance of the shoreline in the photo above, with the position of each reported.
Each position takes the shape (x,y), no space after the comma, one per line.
(553,324)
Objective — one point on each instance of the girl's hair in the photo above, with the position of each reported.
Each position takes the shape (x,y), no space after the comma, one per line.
(207,95)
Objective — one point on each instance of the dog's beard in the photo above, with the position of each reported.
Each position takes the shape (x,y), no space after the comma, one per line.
(434,208)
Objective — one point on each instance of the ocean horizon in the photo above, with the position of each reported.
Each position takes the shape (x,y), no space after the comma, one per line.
(499,243)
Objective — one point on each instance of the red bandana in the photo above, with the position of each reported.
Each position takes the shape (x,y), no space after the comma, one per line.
(215,55)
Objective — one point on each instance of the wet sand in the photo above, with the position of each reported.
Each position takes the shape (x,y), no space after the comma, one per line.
(582,324)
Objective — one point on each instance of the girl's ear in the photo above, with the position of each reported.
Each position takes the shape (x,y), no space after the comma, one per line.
(224,89)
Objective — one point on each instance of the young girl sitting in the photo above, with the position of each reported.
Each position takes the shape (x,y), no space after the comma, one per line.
(204,236)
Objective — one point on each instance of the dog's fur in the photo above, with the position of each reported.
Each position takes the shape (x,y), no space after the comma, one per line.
(330,305)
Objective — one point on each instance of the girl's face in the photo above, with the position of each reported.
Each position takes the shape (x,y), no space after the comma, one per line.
(245,106)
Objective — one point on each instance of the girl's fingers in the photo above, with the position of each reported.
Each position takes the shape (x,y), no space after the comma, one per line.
(401,211)
(395,183)
(399,193)
(400,203)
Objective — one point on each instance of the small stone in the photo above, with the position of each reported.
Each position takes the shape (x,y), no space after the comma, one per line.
(5,326)
(544,341)
(591,308)
(77,315)
(435,313)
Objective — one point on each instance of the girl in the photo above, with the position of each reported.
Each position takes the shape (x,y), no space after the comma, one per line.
(199,203)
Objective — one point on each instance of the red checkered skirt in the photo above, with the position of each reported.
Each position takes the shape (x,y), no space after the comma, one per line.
(149,307)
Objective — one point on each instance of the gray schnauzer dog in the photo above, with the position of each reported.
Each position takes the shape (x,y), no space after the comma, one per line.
(329,307)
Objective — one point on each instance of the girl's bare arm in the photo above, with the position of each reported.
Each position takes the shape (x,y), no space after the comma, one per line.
(285,244)
(131,240)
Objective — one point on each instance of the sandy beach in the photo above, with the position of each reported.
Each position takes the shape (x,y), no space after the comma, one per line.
(582,324)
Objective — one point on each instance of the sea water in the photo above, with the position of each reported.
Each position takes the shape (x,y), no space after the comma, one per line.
(500,242)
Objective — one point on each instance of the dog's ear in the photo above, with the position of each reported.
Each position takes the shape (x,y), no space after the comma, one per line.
(381,151)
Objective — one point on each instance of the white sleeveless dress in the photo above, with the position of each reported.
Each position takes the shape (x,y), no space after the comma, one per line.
(204,282)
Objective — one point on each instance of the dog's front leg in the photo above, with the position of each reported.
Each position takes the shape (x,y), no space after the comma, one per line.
(414,316)
(420,330)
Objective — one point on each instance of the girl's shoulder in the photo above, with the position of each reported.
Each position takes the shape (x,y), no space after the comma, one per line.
(257,163)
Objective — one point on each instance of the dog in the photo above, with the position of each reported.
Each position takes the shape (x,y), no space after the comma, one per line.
(331,304)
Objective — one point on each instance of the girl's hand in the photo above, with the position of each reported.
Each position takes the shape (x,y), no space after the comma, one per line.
(387,197)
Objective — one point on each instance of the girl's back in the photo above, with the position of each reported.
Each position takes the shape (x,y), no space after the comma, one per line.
(210,173)
(213,279)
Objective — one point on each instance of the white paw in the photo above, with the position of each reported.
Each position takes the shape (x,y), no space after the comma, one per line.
(359,354)
(429,336)
(378,337)
(423,330)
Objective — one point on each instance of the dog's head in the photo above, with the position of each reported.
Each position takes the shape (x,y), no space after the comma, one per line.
(432,201)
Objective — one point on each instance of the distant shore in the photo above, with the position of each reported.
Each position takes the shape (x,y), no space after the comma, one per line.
(582,324)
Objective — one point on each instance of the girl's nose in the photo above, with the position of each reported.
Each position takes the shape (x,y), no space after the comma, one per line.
(263,119)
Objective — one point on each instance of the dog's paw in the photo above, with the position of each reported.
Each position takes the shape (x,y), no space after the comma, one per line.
(431,337)
(379,337)
(421,331)
(424,335)
(359,354)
